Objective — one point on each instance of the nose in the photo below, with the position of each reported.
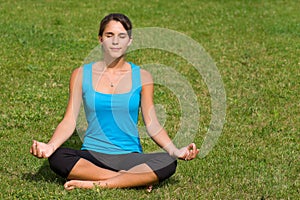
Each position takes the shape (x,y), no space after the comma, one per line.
(115,40)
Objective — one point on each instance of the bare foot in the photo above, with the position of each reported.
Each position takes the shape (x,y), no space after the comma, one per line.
(70,185)
(149,188)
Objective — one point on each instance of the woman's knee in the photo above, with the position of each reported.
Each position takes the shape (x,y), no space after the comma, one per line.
(172,168)
(167,168)
(62,161)
(56,158)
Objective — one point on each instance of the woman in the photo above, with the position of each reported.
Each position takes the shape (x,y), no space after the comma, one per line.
(112,91)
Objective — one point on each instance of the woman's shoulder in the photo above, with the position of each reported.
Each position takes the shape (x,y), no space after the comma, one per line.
(145,73)
(146,77)
(87,66)
(77,72)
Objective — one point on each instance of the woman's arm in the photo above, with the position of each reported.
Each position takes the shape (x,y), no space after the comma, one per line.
(67,126)
(154,129)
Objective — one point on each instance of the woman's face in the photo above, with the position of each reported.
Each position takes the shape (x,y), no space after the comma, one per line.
(115,40)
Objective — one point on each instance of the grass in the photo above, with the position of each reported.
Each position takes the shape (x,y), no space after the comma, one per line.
(255,44)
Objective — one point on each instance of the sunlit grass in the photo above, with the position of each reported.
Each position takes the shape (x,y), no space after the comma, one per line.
(256,46)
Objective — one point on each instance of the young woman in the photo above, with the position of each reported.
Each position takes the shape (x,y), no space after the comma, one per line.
(112,92)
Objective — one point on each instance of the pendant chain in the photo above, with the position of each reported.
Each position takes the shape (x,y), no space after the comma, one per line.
(112,82)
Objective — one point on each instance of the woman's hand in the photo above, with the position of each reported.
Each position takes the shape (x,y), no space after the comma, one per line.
(41,150)
(187,153)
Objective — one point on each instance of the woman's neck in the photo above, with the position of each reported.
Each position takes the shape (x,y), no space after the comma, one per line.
(115,63)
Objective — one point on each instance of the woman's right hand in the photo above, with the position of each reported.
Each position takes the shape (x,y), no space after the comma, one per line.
(41,150)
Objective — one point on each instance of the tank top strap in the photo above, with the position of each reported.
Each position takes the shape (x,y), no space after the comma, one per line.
(87,77)
(136,76)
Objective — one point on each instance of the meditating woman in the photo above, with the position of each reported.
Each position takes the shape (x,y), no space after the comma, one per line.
(113,91)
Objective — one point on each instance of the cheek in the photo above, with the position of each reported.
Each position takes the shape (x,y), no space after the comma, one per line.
(125,43)
(106,43)
(106,40)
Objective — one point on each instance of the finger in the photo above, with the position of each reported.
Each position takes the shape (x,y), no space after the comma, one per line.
(44,155)
(34,148)
(30,150)
(193,146)
(196,153)
(187,155)
(189,152)
(190,146)
(193,151)
(39,153)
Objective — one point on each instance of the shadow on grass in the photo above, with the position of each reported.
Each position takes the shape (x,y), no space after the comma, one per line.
(44,174)
(164,184)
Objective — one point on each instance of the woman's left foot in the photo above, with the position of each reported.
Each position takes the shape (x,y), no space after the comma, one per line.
(70,185)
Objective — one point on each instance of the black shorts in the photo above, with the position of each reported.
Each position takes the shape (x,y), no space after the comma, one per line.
(63,160)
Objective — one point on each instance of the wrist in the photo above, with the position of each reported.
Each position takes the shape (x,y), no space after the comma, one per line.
(172,150)
(175,153)
(52,146)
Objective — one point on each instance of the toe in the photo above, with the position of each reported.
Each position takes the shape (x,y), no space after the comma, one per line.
(68,186)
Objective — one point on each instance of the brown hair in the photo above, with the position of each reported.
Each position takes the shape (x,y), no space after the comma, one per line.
(123,19)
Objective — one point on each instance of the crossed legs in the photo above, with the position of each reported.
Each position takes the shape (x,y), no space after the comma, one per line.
(87,175)
(85,169)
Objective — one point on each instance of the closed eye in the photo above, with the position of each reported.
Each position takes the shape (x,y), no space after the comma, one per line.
(122,35)
(109,35)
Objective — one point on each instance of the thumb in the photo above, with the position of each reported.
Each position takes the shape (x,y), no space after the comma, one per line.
(45,155)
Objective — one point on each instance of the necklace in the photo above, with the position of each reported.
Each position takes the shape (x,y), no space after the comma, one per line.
(116,76)
(111,82)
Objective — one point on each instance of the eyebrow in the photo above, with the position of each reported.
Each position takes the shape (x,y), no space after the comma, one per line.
(108,33)
(111,33)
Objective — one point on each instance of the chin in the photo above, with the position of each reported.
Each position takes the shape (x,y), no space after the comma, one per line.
(116,55)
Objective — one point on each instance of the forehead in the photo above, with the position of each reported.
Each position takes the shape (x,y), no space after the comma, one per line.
(114,27)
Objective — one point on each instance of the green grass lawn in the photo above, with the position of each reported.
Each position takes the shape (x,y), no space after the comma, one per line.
(255,45)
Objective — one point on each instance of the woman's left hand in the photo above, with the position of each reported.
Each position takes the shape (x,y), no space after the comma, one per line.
(187,153)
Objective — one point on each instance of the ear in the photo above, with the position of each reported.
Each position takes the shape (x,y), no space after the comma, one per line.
(100,39)
(130,41)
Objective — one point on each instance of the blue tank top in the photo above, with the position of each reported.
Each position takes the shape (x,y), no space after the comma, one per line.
(112,118)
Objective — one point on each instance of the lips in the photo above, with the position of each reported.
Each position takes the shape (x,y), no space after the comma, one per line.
(115,49)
